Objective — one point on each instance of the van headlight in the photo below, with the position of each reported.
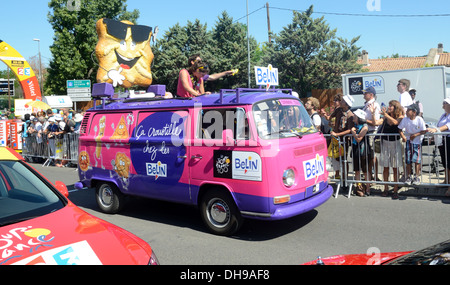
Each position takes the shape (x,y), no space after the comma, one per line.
(288,177)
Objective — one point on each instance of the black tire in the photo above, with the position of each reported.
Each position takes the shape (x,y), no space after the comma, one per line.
(220,213)
(109,198)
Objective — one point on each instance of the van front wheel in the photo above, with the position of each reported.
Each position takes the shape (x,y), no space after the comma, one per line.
(109,198)
(219,212)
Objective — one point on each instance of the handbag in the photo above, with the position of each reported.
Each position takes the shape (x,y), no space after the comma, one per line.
(335,150)
(377,139)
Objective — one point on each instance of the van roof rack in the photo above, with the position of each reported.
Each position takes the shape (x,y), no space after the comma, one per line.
(238,92)
(105,92)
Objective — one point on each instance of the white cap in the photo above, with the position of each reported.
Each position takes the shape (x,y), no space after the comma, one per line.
(349,100)
(447,100)
(78,117)
(51,119)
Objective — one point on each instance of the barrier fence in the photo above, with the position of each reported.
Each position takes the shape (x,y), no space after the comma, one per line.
(345,158)
(62,148)
(341,162)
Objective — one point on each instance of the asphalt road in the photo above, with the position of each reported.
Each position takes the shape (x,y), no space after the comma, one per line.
(340,226)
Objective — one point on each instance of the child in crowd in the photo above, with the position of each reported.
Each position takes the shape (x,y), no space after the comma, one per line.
(361,151)
(414,128)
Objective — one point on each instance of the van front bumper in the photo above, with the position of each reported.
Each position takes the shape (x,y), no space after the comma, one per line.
(284,211)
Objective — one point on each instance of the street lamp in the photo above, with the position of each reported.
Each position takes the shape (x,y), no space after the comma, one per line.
(40,65)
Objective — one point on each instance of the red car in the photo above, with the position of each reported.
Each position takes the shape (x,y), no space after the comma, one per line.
(438,254)
(39,225)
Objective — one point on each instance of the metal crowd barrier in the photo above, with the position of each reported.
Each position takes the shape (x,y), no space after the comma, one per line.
(341,172)
(48,150)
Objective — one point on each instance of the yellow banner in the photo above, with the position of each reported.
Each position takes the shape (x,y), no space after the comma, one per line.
(22,69)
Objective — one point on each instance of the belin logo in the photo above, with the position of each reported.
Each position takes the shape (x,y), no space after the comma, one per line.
(73,5)
(313,168)
(157,169)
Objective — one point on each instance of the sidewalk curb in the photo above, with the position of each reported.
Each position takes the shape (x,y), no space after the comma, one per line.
(404,190)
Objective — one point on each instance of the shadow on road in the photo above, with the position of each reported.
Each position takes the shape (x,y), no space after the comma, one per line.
(187,216)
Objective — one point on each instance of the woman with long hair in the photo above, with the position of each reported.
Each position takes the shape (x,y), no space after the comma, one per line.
(391,146)
(190,81)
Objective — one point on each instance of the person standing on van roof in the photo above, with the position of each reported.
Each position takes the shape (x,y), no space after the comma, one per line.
(190,81)
(405,99)
(372,110)
(208,77)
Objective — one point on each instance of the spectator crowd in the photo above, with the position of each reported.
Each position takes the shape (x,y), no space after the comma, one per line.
(401,128)
(47,127)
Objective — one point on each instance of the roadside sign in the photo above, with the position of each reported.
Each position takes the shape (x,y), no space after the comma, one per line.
(79,90)
(78,84)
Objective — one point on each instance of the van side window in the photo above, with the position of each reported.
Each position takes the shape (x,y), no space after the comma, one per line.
(212,122)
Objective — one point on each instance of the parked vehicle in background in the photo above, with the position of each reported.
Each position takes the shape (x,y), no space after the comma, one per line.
(431,83)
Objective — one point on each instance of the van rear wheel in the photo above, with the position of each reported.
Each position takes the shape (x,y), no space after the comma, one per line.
(220,213)
(109,198)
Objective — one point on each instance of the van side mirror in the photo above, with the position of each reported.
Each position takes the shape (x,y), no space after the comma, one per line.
(227,137)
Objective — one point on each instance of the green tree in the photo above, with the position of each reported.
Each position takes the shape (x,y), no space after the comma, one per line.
(173,50)
(223,48)
(75,39)
(309,56)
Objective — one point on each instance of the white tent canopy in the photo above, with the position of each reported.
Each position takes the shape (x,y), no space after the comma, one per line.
(57,102)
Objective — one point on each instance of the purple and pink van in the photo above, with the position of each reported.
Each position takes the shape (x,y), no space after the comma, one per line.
(244,153)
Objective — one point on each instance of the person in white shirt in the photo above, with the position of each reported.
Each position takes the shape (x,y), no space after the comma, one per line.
(405,98)
(372,110)
(443,142)
(413,128)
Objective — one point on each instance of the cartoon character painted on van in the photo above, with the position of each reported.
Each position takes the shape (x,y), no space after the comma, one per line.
(231,159)
(154,150)
(124,53)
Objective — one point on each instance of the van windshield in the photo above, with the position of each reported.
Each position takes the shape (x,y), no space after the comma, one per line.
(280,118)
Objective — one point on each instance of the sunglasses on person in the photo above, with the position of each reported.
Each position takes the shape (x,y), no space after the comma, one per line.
(203,69)
(118,30)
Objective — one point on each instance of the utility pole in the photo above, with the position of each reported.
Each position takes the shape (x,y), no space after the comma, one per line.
(248,48)
(268,21)
(9,94)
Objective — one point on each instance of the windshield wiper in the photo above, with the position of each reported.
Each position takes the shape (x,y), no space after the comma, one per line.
(10,222)
(279,132)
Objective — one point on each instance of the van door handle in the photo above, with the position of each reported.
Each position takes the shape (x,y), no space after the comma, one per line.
(196,157)
(182,156)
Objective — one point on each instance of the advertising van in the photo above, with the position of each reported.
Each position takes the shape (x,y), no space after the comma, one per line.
(244,153)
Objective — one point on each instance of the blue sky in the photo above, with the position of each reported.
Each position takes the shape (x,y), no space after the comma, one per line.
(382,33)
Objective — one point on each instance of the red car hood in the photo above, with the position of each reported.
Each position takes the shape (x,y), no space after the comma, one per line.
(70,236)
(359,259)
